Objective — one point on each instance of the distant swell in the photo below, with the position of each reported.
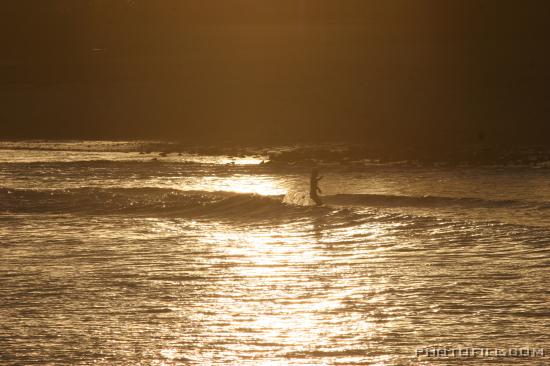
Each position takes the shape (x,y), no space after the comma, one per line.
(375,200)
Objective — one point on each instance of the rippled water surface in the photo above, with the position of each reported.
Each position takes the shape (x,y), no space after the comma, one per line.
(111,257)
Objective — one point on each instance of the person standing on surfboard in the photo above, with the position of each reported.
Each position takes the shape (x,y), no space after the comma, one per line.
(314,187)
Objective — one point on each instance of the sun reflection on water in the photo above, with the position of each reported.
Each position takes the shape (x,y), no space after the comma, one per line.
(262,185)
(281,276)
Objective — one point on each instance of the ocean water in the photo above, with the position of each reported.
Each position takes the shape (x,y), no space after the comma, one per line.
(109,256)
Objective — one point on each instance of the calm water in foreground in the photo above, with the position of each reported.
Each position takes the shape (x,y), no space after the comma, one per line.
(108,257)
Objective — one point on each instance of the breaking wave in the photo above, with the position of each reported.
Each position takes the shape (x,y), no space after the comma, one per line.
(162,201)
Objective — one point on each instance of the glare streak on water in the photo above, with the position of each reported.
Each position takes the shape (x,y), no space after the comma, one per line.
(142,277)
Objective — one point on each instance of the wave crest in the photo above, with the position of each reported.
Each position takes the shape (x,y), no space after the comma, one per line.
(147,201)
(163,201)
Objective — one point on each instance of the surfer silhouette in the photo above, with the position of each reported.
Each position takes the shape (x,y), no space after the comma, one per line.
(314,187)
